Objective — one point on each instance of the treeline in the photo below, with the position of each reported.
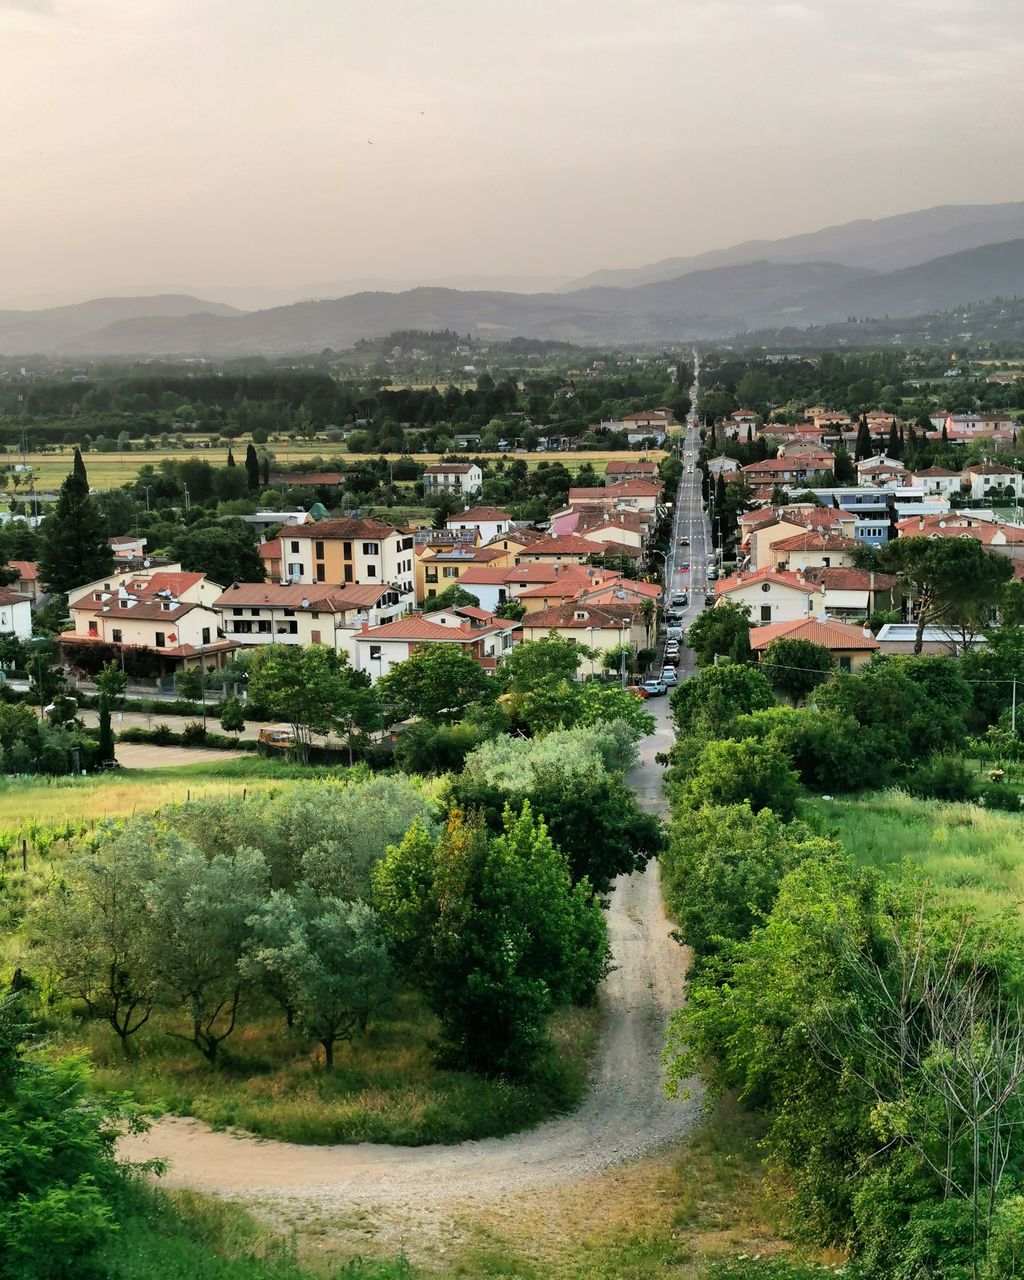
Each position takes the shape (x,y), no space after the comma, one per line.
(878,1029)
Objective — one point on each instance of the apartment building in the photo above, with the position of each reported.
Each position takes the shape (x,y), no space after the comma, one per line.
(349,551)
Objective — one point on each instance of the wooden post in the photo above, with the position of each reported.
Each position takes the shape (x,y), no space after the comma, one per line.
(24,855)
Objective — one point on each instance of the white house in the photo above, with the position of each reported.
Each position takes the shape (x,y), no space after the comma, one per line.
(453,477)
(15,614)
(488,521)
(993,480)
(771,595)
(938,482)
(474,631)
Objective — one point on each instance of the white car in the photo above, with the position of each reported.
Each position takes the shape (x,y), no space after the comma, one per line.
(674,633)
(669,677)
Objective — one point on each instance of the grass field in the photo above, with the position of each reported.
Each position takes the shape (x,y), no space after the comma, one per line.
(110,470)
(971,854)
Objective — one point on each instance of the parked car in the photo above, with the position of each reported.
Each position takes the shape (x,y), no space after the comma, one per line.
(684,567)
(669,677)
(674,633)
(654,688)
(672,649)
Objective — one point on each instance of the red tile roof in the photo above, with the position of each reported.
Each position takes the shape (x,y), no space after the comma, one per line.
(308,479)
(449,469)
(567,545)
(415,627)
(820,540)
(27,570)
(476,514)
(344,528)
(833,635)
(290,595)
(782,578)
(270,550)
(563,617)
(840,578)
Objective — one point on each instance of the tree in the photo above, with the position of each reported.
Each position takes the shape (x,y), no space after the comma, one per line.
(717,695)
(437,682)
(199,910)
(843,470)
(494,933)
(511,609)
(94,929)
(723,631)
(105,747)
(111,682)
(796,667)
(314,689)
(452,597)
(722,870)
(74,547)
(863,447)
(232,716)
(231,457)
(252,468)
(224,552)
(952,582)
(734,772)
(188,683)
(328,956)
(60,1178)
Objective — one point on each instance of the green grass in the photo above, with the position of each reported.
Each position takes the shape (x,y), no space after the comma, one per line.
(189,1237)
(972,855)
(385,1086)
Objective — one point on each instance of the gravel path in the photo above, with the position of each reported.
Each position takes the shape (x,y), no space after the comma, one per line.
(625,1115)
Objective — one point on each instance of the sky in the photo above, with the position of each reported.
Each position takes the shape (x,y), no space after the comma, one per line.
(211,144)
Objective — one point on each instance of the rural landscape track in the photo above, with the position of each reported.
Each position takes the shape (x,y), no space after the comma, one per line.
(625,1114)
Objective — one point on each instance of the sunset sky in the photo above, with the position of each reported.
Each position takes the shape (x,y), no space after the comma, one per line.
(156,144)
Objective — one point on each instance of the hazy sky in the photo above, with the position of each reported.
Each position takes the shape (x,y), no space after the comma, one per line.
(156,143)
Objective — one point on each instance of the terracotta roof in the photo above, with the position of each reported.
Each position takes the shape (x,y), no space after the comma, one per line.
(148,610)
(936,471)
(290,595)
(27,570)
(816,517)
(344,528)
(270,550)
(840,578)
(778,464)
(817,540)
(567,545)
(633,488)
(175,583)
(13,597)
(308,479)
(563,617)
(619,466)
(449,469)
(477,513)
(783,578)
(484,575)
(415,627)
(124,540)
(991,469)
(833,635)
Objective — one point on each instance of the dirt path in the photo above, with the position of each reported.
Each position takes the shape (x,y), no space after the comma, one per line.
(625,1115)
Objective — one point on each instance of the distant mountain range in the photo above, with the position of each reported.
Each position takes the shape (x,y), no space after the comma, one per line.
(933,261)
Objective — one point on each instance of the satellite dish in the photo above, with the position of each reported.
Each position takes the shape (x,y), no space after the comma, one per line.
(305,604)
(942,524)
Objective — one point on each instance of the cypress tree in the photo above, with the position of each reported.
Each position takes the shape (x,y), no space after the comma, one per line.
(862,449)
(74,547)
(252,467)
(105,737)
(265,468)
(894,449)
(231,457)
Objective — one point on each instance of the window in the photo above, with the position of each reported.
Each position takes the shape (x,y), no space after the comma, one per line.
(255,613)
(116,636)
(92,629)
(826,561)
(314,637)
(431,575)
(206,635)
(319,550)
(371,548)
(244,627)
(295,546)
(236,613)
(374,652)
(160,640)
(348,573)
(289,613)
(844,664)
(451,572)
(321,573)
(371,571)
(262,627)
(346,550)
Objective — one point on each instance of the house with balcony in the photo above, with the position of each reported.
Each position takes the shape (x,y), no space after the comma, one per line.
(937,482)
(457,478)
(994,481)
(474,631)
(437,569)
(349,551)
(818,549)
(258,613)
(486,522)
(618,470)
(155,626)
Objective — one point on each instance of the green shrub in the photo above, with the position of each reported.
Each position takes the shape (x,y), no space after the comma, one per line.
(193,734)
(1001,796)
(942,778)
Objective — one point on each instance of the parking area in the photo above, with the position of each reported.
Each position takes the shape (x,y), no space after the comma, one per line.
(138,755)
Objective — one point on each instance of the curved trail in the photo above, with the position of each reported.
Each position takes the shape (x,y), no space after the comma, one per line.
(625,1114)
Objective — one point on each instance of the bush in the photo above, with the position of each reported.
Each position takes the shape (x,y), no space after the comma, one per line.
(942,778)
(162,736)
(194,734)
(1001,796)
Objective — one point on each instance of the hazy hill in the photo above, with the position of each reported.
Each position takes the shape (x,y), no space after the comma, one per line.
(881,244)
(56,328)
(710,303)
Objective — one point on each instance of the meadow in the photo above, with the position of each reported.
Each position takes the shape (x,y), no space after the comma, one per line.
(971,854)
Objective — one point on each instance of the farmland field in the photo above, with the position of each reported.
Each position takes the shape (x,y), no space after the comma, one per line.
(110,470)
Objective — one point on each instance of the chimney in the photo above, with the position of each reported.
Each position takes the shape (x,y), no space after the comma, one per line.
(364,627)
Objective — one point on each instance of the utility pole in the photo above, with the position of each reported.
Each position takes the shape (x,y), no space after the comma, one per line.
(1013,709)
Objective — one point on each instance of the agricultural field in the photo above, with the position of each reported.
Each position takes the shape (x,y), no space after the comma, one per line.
(111,470)
(971,854)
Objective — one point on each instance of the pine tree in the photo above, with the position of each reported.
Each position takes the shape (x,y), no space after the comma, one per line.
(252,467)
(74,547)
(862,449)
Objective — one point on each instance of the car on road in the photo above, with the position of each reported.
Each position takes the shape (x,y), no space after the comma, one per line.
(709,598)
(669,677)
(712,573)
(684,567)
(684,542)
(674,632)
(672,649)
(678,598)
(654,688)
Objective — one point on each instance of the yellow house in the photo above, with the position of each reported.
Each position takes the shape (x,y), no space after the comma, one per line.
(600,628)
(852,647)
(338,552)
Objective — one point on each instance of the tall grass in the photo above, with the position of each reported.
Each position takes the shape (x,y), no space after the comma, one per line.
(971,855)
